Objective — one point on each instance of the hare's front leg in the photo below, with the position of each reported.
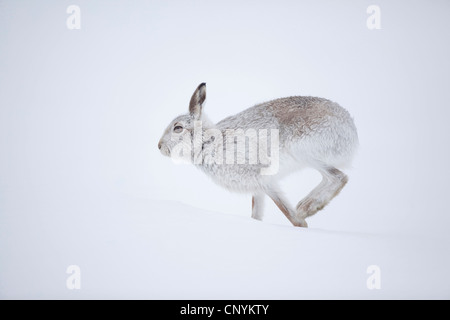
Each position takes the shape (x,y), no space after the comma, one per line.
(258,206)
(332,183)
(287,210)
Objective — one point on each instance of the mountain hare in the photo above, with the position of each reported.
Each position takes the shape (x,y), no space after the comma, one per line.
(304,132)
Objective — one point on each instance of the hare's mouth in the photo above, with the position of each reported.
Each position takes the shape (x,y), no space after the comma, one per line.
(165,151)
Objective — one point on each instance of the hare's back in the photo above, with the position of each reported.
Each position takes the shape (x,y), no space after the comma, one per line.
(316,127)
(293,116)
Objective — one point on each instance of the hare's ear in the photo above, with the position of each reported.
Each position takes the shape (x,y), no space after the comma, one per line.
(196,104)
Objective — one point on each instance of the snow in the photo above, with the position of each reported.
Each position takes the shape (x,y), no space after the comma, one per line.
(138,248)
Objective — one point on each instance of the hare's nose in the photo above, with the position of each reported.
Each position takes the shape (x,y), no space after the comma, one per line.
(159,145)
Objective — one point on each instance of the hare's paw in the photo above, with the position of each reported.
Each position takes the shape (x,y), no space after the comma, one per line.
(257,216)
(300,222)
(309,206)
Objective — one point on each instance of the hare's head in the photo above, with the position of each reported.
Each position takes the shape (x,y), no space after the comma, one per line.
(180,132)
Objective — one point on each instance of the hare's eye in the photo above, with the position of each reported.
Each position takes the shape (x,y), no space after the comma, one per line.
(177,129)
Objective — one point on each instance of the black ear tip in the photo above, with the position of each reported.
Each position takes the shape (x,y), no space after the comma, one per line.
(203,84)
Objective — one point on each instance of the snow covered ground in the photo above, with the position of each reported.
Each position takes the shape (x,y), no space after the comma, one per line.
(137,248)
(82,182)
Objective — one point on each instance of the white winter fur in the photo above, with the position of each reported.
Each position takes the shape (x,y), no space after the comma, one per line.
(313,132)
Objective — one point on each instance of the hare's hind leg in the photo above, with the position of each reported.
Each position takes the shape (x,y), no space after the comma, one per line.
(258,206)
(333,180)
(287,210)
